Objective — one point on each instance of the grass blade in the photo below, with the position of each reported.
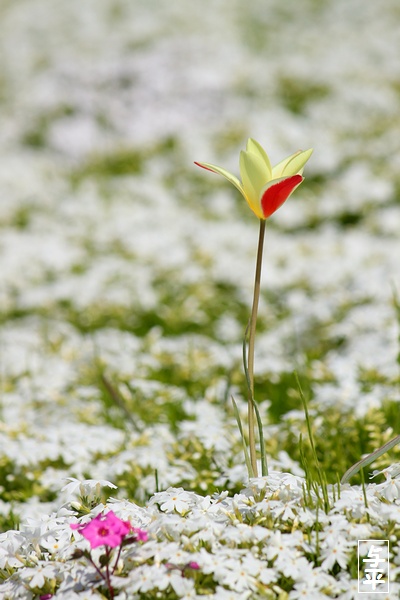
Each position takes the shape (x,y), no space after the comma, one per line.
(245,451)
(320,474)
(364,462)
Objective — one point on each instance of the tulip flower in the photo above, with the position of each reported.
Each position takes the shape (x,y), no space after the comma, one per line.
(265,188)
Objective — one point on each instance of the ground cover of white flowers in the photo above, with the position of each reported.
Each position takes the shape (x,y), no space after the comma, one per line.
(126,283)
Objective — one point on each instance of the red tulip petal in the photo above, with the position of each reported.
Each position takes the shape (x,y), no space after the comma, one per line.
(204,167)
(276,194)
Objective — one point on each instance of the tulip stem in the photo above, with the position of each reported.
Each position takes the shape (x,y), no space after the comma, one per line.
(250,358)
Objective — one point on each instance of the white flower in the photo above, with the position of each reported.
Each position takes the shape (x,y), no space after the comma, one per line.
(336,552)
(390,489)
(294,567)
(304,591)
(233,574)
(352,501)
(224,594)
(57,545)
(283,511)
(313,577)
(174,500)
(267,575)
(349,587)
(37,575)
(282,546)
(147,577)
(10,549)
(181,585)
(87,488)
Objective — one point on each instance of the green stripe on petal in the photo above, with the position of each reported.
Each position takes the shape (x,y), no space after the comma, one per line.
(220,171)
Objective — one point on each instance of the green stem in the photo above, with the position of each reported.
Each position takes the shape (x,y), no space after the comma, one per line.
(250,358)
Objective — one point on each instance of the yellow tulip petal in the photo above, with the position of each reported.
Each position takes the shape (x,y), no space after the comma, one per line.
(278,169)
(253,171)
(297,163)
(255,207)
(220,171)
(254,147)
(292,165)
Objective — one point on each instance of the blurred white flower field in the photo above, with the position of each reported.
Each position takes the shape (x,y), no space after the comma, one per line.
(126,282)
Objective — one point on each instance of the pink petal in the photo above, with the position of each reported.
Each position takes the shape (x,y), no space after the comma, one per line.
(104,530)
(276,194)
(140,534)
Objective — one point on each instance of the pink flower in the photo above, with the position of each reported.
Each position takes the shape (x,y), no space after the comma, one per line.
(104,530)
(140,534)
